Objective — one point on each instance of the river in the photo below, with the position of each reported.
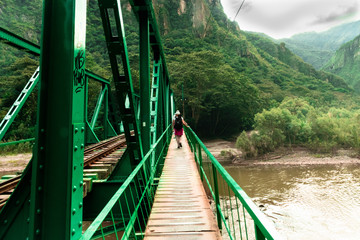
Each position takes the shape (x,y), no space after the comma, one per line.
(311,202)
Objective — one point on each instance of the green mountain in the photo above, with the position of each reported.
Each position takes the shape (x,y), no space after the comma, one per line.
(345,63)
(317,48)
(227,75)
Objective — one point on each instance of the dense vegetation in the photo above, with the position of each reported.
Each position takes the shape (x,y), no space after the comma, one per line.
(269,70)
(295,121)
(345,63)
(228,76)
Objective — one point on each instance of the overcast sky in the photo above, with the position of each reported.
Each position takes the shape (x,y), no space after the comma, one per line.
(284,18)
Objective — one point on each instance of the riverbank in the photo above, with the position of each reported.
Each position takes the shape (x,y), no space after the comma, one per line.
(225,151)
(15,162)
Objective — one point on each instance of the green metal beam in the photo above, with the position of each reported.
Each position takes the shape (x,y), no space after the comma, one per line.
(172,103)
(18,42)
(90,134)
(16,142)
(96,77)
(144,80)
(156,81)
(15,214)
(98,106)
(109,131)
(110,12)
(19,102)
(57,177)
(155,38)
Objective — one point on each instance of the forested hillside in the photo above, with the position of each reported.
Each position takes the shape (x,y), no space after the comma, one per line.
(346,62)
(228,75)
(318,48)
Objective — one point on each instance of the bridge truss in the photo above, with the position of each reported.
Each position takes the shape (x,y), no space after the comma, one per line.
(48,201)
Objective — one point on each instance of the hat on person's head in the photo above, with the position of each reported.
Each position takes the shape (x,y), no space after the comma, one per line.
(177,112)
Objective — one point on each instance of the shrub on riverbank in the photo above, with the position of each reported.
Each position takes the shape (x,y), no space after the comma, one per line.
(295,121)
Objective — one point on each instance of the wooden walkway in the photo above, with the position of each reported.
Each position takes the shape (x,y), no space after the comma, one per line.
(181,209)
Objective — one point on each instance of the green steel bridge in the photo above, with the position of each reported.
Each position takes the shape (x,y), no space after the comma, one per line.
(59,195)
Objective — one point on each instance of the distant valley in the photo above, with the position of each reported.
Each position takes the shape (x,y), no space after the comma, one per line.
(318,48)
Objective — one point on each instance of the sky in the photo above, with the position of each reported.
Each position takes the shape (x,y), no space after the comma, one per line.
(284,18)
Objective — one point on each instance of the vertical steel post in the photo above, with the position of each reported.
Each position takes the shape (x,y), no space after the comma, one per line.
(167,100)
(200,163)
(144,80)
(183,100)
(258,234)
(217,197)
(172,107)
(106,114)
(57,177)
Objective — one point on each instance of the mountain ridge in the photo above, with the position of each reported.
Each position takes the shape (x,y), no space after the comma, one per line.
(317,48)
(345,63)
(228,75)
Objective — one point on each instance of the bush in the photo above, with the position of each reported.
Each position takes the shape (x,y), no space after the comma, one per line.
(296,122)
(17,148)
(245,144)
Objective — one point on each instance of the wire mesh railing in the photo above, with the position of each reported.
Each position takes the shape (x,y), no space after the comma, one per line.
(126,214)
(237,216)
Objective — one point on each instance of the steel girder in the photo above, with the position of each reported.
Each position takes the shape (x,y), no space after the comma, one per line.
(19,102)
(62,118)
(110,12)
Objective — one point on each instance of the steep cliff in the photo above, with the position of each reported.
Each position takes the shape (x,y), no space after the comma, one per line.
(345,63)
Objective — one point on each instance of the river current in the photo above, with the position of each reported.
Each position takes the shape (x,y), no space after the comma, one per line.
(311,202)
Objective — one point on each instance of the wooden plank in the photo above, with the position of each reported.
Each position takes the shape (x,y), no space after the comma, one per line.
(181,208)
(101,166)
(102,173)
(93,176)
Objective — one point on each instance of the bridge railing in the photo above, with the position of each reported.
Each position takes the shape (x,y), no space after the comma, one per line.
(237,215)
(125,215)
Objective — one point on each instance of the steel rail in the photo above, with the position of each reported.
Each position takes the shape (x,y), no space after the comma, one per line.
(106,151)
(94,147)
(107,147)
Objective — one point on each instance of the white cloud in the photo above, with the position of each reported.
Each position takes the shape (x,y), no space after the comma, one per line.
(283,18)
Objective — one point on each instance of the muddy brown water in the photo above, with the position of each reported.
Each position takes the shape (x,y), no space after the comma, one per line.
(309,202)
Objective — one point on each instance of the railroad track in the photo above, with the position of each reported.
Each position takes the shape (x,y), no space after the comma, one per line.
(99,160)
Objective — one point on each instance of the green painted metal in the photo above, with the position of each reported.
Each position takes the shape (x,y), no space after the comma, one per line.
(114,113)
(144,80)
(97,78)
(110,11)
(15,214)
(98,106)
(154,102)
(136,205)
(18,42)
(19,102)
(137,104)
(90,134)
(155,38)
(109,130)
(172,103)
(56,212)
(16,142)
(220,183)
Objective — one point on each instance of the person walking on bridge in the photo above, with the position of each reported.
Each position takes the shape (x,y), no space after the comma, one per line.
(177,125)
